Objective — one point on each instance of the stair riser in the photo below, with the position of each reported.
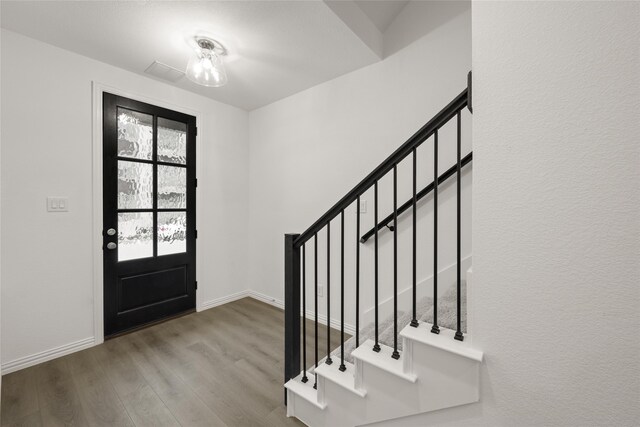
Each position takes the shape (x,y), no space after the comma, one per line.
(306,412)
(344,408)
(431,374)
(388,396)
(448,379)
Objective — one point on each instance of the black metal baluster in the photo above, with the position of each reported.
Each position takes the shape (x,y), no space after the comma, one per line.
(342,366)
(315,272)
(395,353)
(376,346)
(435,328)
(414,319)
(459,335)
(328,361)
(358,272)
(304,315)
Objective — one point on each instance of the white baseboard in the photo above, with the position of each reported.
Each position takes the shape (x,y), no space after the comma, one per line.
(44,356)
(63,350)
(239,295)
(335,323)
(223,300)
(322,319)
(266,298)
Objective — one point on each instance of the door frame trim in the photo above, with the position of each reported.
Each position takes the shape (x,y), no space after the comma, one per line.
(97,89)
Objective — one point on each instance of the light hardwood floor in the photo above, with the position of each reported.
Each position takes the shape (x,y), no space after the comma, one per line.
(220,367)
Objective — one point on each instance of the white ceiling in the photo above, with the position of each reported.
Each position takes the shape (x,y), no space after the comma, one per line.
(276,48)
(381,13)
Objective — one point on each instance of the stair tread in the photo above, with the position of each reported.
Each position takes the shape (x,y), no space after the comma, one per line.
(305,390)
(444,340)
(344,379)
(382,360)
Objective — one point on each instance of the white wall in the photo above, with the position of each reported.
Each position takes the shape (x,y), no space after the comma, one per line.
(556,221)
(47,150)
(308,150)
(47,288)
(0,223)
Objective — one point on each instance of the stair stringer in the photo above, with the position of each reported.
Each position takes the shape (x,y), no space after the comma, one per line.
(434,372)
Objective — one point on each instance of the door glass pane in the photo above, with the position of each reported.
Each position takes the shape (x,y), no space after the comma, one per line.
(135,134)
(135,235)
(172,141)
(135,185)
(172,232)
(172,187)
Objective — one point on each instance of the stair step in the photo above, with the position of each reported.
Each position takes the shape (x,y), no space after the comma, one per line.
(382,360)
(305,390)
(344,379)
(444,340)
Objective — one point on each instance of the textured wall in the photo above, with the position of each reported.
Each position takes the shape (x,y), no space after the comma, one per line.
(308,150)
(556,210)
(556,241)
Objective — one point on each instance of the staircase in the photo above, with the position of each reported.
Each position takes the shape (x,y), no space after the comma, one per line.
(417,360)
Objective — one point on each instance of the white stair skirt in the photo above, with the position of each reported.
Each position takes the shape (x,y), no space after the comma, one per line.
(433,372)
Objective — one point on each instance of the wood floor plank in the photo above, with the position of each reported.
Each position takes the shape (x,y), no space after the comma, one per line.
(183,403)
(221,367)
(218,383)
(98,398)
(248,335)
(278,418)
(123,374)
(141,402)
(209,388)
(32,420)
(238,385)
(147,410)
(57,395)
(52,371)
(19,396)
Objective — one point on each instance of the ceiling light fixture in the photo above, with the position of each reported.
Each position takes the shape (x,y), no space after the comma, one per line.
(205,66)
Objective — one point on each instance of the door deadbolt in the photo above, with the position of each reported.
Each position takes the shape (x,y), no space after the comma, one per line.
(111,232)
(111,245)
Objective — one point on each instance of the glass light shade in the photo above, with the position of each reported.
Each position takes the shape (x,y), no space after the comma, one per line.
(207,69)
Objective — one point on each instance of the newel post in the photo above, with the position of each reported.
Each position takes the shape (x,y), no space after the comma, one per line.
(291,309)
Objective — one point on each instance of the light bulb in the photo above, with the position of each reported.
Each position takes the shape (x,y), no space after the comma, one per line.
(205,66)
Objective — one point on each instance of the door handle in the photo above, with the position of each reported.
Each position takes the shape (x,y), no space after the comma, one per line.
(111,232)
(111,245)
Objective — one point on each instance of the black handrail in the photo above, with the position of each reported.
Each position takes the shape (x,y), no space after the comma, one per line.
(405,149)
(426,190)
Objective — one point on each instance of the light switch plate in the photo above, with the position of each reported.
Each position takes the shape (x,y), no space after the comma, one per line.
(57,204)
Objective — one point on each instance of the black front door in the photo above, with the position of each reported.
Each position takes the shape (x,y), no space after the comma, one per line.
(148,213)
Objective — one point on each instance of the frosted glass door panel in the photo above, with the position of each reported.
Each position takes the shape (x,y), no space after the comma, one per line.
(135,134)
(172,141)
(135,185)
(172,187)
(135,235)
(172,232)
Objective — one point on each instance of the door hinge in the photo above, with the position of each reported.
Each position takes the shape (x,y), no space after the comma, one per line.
(196,131)
(196,182)
(196,285)
(196,234)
